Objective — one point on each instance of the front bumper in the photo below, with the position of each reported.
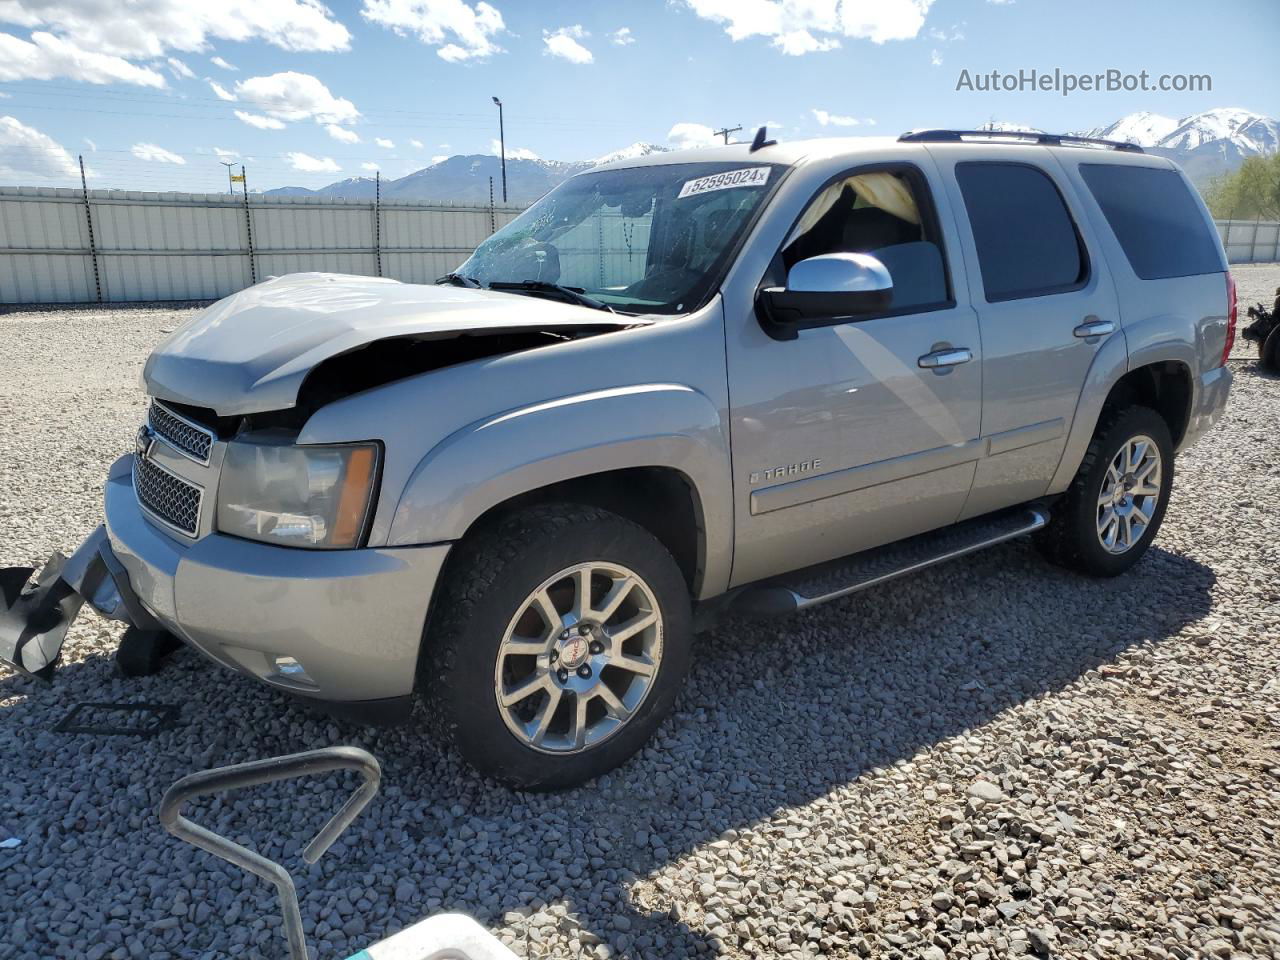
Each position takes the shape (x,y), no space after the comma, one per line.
(351,619)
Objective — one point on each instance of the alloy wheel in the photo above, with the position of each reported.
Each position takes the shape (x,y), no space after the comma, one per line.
(579,657)
(1130,494)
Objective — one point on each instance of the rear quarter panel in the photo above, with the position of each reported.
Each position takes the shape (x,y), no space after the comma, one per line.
(1180,319)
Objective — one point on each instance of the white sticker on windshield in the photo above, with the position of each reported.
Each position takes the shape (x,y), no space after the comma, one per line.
(748,177)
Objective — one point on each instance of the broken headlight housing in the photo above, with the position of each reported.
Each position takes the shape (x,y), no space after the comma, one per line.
(320,497)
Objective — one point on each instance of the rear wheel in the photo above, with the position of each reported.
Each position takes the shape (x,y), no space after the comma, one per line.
(1110,514)
(560,643)
(1269,351)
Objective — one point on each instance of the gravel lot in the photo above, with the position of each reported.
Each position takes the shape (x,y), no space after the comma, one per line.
(994,758)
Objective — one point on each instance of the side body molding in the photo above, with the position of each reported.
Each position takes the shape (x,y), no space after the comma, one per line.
(644,425)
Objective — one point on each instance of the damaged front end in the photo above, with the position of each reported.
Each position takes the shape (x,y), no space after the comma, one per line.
(35,614)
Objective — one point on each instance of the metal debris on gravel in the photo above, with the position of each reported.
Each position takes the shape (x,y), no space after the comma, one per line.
(995,758)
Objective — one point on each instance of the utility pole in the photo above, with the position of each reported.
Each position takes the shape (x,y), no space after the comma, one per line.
(502,149)
(231,187)
(725,131)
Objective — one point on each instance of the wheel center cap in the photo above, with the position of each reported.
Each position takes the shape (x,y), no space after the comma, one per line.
(574,652)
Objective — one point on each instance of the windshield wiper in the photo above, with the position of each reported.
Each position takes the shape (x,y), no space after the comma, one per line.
(570,294)
(458,280)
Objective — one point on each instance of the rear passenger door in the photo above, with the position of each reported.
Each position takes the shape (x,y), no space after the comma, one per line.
(1046,306)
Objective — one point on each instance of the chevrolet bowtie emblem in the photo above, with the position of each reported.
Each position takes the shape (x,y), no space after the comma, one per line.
(143,441)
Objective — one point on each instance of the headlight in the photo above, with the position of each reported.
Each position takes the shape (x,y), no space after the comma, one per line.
(301,496)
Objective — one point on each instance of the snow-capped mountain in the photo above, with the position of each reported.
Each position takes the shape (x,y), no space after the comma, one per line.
(637,149)
(1143,128)
(1007,126)
(1205,145)
(464,178)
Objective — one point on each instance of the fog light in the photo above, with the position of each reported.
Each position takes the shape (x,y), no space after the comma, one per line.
(291,669)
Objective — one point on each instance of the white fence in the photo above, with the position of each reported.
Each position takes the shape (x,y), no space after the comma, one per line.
(61,246)
(1250,241)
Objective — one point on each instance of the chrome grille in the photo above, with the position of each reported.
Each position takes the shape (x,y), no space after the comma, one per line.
(170,498)
(184,436)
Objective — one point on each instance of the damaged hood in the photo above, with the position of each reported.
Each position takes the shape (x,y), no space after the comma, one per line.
(251,352)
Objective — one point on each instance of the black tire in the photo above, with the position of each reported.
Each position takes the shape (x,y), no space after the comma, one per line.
(1269,352)
(1071,539)
(488,580)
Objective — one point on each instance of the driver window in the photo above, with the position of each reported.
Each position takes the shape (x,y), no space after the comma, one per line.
(879,213)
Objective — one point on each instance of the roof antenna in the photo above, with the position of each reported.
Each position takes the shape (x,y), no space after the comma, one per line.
(761,141)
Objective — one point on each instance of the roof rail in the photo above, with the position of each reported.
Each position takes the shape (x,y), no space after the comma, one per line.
(1017,136)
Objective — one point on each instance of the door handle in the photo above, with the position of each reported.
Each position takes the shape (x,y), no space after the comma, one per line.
(1093,327)
(951,357)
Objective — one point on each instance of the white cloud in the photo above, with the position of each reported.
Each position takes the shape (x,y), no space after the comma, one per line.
(259,121)
(219,62)
(47,57)
(622,37)
(220,91)
(798,27)
(416,144)
(438,158)
(26,152)
(385,143)
(92,146)
(835,120)
(150,29)
(564,43)
(513,153)
(309,164)
(224,154)
(445,146)
(684,135)
(296,96)
(458,30)
(153,154)
(369,166)
(180,69)
(935,58)
(342,133)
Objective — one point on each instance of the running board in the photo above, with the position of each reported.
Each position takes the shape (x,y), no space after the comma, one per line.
(839,578)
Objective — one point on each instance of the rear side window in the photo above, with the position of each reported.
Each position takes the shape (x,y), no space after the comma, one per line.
(1027,242)
(1155,218)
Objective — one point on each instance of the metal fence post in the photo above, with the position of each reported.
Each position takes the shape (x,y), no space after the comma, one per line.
(248,226)
(377,219)
(88,219)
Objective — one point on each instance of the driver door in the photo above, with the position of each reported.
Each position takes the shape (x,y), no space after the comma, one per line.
(844,437)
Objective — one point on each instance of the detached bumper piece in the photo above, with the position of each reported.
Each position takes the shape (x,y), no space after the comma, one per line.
(35,615)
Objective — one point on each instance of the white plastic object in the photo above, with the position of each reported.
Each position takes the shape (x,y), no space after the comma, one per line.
(446,936)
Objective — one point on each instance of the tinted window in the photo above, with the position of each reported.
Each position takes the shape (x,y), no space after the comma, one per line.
(1027,243)
(1155,218)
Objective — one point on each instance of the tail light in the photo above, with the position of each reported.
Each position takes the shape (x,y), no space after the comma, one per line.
(1231,319)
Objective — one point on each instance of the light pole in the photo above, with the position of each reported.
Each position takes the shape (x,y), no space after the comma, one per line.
(502,149)
(231,189)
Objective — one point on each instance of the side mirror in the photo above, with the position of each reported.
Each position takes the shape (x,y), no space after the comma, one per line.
(828,286)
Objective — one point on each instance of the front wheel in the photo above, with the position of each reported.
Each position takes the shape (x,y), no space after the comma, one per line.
(559,644)
(1110,514)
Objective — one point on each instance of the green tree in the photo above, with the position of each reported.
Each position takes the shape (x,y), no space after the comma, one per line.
(1252,191)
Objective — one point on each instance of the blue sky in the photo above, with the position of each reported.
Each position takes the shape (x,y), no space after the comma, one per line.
(305,93)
